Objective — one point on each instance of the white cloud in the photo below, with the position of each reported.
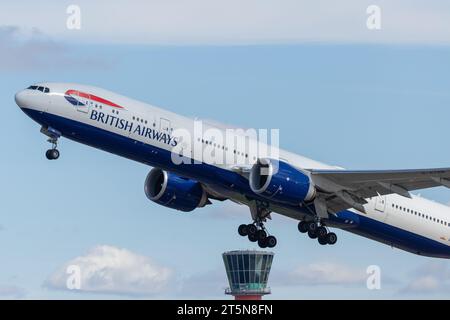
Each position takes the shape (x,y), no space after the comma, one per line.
(32,50)
(431,278)
(11,292)
(323,273)
(238,22)
(226,210)
(111,270)
(423,284)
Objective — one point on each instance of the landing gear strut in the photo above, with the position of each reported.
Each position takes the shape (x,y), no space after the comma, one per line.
(317,231)
(256,231)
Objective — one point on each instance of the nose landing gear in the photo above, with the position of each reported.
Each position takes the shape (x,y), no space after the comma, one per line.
(53,153)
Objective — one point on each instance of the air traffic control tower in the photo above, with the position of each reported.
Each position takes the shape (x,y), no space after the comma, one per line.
(247,272)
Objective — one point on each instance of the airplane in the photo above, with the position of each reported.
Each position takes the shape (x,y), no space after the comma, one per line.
(376,204)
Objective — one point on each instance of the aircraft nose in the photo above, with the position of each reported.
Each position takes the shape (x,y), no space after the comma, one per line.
(20,98)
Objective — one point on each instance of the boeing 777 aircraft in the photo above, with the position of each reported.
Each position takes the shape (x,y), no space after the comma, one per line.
(374,204)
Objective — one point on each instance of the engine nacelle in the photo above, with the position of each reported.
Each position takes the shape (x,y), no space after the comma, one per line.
(173,191)
(279,181)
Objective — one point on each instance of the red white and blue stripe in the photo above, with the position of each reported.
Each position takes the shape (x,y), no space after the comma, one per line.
(72,95)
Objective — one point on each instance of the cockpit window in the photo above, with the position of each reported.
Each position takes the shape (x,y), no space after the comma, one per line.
(42,89)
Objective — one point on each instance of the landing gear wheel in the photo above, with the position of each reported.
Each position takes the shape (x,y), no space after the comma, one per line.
(312,226)
(321,232)
(312,234)
(261,235)
(251,229)
(243,230)
(322,240)
(271,241)
(331,238)
(262,243)
(52,154)
(252,237)
(302,227)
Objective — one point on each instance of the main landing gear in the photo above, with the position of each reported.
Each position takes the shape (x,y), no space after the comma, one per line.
(256,231)
(317,231)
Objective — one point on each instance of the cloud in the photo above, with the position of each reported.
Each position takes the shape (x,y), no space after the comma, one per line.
(227,210)
(431,278)
(423,284)
(11,292)
(323,273)
(240,213)
(112,270)
(239,22)
(32,50)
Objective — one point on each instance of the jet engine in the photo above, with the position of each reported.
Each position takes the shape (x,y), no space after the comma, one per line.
(173,191)
(279,181)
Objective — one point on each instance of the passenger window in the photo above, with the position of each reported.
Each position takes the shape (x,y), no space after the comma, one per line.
(41,89)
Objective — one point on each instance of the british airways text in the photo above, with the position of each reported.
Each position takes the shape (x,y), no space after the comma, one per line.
(129,126)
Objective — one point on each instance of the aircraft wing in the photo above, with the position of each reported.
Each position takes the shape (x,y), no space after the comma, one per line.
(343,189)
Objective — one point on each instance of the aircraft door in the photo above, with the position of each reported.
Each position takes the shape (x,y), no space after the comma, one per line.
(380,203)
(164,126)
(381,211)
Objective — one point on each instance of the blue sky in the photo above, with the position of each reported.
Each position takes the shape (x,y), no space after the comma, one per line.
(349,102)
